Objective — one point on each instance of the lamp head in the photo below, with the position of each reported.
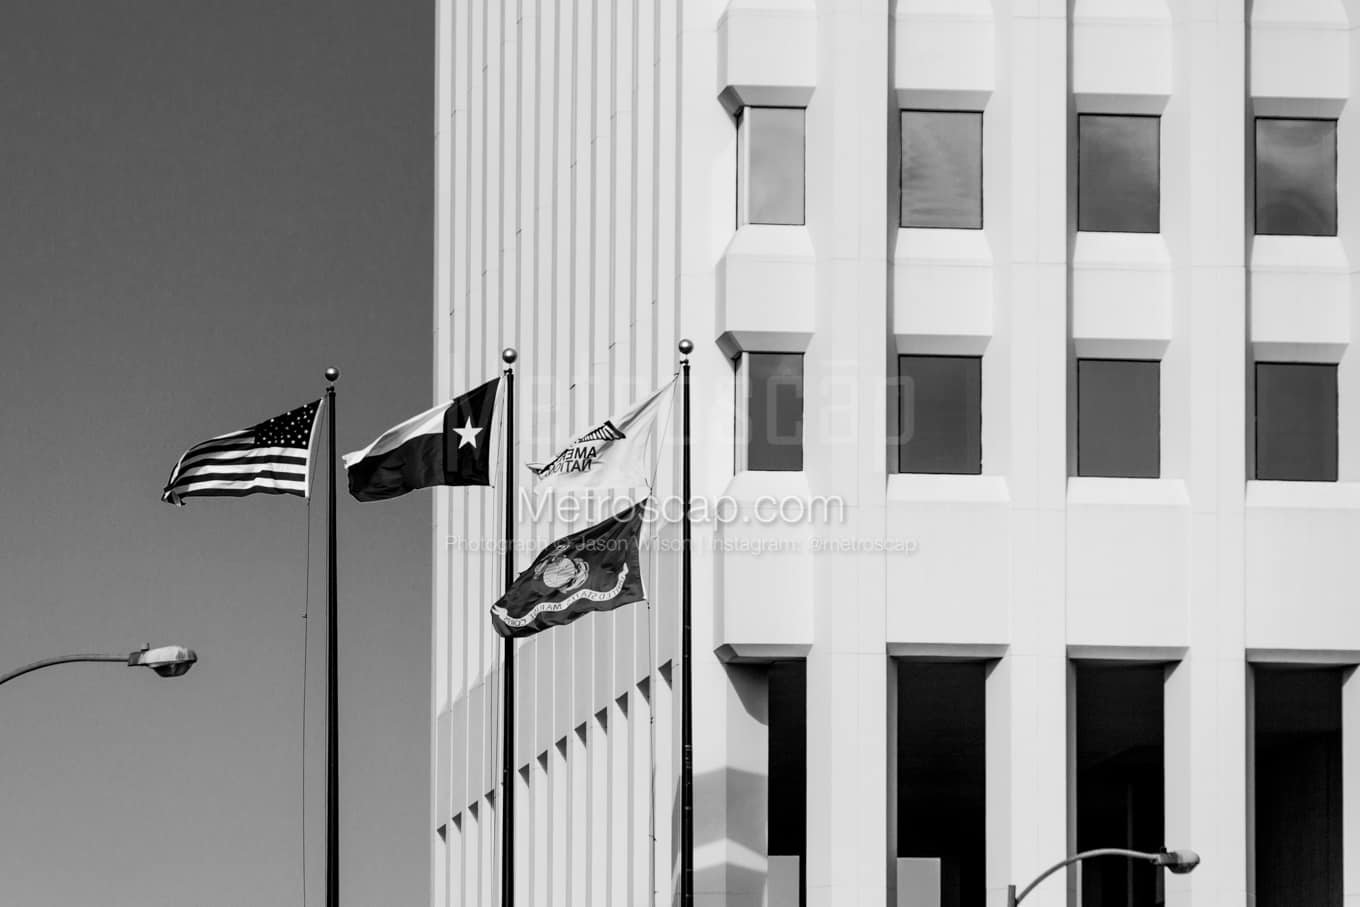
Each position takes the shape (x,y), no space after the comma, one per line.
(1178,861)
(166,661)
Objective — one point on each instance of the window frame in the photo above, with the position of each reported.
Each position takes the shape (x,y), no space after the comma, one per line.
(1077,466)
(1256,420)
(901,442)
(1256,174)
(981,167)
(742,411)
(1141,116)
(743,169)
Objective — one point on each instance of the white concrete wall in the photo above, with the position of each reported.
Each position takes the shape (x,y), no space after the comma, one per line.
(586,215)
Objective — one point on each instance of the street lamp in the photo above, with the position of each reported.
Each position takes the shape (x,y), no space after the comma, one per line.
(166,661)
(1178,861)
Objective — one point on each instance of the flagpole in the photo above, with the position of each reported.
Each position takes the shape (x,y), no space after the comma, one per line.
(508,355)
(686,687)
(332,674)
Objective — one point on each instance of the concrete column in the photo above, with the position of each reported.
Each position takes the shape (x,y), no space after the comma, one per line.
(1027,722)
(848,202)
(1027,732)
(1206,695)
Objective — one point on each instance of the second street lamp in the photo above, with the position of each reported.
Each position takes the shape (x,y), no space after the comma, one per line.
(1177,861)
(166,661)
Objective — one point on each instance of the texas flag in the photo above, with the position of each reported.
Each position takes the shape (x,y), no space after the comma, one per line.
(447,445)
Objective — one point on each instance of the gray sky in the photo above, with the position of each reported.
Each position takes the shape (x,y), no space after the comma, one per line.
(204,204)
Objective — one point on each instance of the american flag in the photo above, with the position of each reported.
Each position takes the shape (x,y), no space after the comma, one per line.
(268,458)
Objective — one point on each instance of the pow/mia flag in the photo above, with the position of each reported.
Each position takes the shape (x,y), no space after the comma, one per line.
(595,569)
(615,454)
(447,445)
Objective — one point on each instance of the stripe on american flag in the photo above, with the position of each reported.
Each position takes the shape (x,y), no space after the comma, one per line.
(269,458)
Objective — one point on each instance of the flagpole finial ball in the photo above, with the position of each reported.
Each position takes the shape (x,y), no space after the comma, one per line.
(332,374)
(508,355)
(686,346)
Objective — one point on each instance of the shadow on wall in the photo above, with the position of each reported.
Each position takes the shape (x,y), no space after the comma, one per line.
(730,844)
(730,859)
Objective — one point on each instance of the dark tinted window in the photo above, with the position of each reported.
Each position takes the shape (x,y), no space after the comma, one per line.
(788,762)
(1118,174)
(941,169)
(1119,418)
(1119,767)
(1296,421)
(770,148)
(775,413)
(940,400)
(1299,782)
(942,774)
(1296,177)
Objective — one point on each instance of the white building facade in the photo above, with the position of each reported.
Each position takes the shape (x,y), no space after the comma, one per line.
(1042,310)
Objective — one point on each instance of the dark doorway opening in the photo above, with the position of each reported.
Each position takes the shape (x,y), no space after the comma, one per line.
(1120,799)
(942,773)
(788,765)
(1298,787)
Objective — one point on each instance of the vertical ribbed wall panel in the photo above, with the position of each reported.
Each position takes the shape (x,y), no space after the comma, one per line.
(556,138)
(488,844)
(440,866)
(525,839)
(620,792)
(559,846)
(639,774)
(578,822)
(597,793)
(539,865)
(444,853)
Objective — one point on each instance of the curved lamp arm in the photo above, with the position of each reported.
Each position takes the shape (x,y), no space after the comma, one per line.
(61,659)
(1178,861)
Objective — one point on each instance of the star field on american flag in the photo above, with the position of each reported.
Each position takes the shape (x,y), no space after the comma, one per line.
(292,429)
(270,457)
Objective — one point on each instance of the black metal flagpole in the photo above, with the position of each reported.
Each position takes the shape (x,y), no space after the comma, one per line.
(686,713)
(508,355)
(332,674)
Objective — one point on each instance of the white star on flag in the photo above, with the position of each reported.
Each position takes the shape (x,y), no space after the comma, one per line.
(467,435)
